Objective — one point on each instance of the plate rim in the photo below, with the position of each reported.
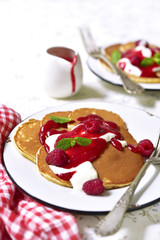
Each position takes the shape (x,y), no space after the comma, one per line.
(59,208)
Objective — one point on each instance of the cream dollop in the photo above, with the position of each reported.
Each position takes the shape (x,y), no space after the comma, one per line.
(83,172)
(50,141)
(146,52)
(130,68)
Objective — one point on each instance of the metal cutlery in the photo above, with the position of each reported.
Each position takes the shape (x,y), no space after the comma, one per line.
(113,221)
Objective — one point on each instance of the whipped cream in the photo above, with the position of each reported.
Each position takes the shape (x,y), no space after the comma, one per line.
(50,141)
(83,172)
(146,52)
(130,68)
(123,143)
(108,136)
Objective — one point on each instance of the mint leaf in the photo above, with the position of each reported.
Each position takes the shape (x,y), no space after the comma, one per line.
(73,142)
(64,143)
(60,119)
(157,61)
(156,58)
(83,141)
(115,56)
(147,62)
(157,55)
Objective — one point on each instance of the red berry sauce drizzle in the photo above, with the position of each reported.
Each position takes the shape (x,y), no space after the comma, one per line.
(92,127)
(72,73)
(49,129)
(72,58)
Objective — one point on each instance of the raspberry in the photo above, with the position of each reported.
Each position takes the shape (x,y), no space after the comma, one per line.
(57,157)
(92,126)
(93,187)
(142,43)
(128,54)
(111,124)
(145,147)
(135,60)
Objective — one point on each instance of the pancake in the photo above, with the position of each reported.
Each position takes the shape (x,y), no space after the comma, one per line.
(115,168)
(106,115)
(118,168)
(26,139)
(123,48)
(45,170)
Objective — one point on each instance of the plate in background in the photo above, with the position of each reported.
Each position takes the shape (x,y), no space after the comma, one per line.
(96,67)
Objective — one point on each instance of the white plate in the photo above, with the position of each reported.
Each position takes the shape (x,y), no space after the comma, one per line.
(26,176)
(96,67)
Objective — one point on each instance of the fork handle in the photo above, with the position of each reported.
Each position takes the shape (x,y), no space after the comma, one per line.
(113,221)
(129,85)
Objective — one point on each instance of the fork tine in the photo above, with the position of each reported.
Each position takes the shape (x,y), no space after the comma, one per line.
(84,39)
(91,39)
(88,40)
(156,151)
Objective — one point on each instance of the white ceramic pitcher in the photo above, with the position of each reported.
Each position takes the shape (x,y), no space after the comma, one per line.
(63,72)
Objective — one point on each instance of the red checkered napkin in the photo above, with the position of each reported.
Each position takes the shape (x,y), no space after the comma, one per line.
(21,218)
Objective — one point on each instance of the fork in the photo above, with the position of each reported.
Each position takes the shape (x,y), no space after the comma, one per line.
(96,52)
(113,221)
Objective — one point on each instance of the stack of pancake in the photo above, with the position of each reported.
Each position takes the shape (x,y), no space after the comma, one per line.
(115,168)
(124,48)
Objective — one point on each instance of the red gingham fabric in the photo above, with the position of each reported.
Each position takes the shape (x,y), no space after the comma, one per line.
(22,218)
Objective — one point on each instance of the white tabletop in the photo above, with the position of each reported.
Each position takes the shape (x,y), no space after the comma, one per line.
(28,28)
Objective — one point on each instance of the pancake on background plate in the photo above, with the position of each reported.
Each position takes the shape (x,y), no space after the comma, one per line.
(144,69)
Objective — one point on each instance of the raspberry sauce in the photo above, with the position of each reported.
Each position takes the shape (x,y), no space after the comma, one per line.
(135,56)
(49,129)
(92,127)
(66,176)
